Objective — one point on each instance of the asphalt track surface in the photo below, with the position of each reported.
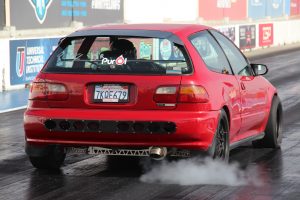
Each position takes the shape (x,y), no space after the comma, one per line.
(87,177)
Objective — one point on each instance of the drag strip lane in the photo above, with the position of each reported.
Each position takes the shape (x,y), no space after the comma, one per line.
(87,177)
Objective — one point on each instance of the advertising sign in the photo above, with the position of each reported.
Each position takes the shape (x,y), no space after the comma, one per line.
(287,7)
(60,13)
(266,34)
(247,36)
(295,7)
(260,9)
(229,32)
(27,57)
(224,3)
(275,8)
(219,9)
(257,9)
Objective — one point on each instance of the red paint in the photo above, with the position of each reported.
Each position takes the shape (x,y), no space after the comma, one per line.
(211,10)
(248,100)
(266,35)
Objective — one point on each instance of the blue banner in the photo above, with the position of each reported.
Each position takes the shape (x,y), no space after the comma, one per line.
(260,9)
(287,10)
(257,9)
(27,57)
(275,8)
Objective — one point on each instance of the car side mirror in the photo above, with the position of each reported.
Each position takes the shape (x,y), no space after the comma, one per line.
(259,69)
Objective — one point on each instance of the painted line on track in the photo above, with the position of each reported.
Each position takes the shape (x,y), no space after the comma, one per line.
(12,109)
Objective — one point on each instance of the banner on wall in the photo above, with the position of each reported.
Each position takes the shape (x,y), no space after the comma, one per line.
(266,35)
(60,13)
(287,7)
(257,9)
(27,57)
(229,32)
(247,36)
(275,8)
(295,7)
(260,9)
(219,9)
(224,3)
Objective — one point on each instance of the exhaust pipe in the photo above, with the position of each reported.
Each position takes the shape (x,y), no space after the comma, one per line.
(158,153)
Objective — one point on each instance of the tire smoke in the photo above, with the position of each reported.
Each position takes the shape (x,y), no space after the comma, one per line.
(198,171)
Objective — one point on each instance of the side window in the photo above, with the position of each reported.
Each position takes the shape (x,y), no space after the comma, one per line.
(211,52)
(237,61)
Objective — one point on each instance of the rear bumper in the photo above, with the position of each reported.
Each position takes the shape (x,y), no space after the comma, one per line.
(194,130)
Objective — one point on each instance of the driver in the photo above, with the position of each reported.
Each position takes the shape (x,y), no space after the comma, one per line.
(124,47)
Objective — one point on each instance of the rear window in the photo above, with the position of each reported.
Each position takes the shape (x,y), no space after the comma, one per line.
(119,55)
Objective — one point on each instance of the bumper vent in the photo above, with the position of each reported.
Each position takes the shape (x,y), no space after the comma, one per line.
(132,127)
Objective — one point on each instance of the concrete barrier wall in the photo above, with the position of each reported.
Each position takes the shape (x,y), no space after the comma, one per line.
(287,32)
(4,64)
(281,32)
(247,36)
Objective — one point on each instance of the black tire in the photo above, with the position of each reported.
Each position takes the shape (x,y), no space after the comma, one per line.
(51,161)
(220,146)
(273,131)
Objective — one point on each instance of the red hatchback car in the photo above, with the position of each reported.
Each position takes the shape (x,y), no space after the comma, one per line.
(149,90)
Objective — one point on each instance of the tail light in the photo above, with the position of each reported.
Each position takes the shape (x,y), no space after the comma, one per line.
(38,91)
(56,91)
(166,94)
(192,94)
(48,91)
(182,94)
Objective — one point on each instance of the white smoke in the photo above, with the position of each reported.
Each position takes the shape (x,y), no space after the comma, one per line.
(199,171)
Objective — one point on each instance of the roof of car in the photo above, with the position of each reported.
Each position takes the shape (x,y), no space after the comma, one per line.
(173,28)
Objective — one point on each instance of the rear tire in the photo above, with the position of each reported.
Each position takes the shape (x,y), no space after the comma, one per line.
(273,131)
(51,161)
(220,146)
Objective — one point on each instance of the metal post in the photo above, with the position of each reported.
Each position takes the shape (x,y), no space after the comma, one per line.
(72,11)
(7,12)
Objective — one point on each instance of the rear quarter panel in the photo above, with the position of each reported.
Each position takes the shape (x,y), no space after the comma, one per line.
(271,92)
(223,90)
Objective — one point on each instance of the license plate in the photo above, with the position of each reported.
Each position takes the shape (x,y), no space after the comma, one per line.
(111,93)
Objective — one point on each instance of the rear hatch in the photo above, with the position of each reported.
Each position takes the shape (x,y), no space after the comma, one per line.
(117,72)
(112,91)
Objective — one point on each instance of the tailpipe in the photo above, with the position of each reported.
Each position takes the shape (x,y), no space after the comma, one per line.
(158,153)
